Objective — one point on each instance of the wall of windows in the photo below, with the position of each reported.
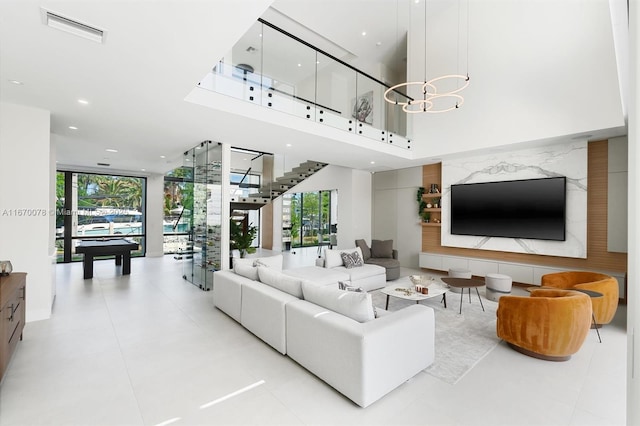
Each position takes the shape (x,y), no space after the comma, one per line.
(311,219)
(93,205)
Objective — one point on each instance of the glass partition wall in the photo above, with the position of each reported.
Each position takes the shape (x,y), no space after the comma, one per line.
(276,70)
(204,218)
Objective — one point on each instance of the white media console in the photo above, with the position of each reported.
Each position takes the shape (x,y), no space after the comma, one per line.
(519,272)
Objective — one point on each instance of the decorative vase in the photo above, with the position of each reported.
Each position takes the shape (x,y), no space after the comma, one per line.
(5,267)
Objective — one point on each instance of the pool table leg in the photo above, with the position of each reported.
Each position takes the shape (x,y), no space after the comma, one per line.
(126,263)
(87,265)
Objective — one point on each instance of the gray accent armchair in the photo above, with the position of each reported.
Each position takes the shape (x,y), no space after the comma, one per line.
(382,254)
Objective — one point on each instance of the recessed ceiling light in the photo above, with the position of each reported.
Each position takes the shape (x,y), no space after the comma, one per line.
(364,33)
(379,43)
(162,156)
(111,150)
(83,101)
(299,65)
(72,26)
(16,82)
(373,162)
(73,127)
(288,145)
(143,170)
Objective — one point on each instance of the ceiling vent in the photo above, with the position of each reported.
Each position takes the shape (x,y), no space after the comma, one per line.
(103,164)
(74,27)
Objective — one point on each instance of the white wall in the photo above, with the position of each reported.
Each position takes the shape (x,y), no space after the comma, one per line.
(633,295)
(395,212)
(533,88)
(25,204)
(617,195)
(354,202)
(155,215)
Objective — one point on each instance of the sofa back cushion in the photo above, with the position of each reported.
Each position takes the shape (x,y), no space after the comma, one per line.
(382,249)
(355,305)
(248,268)
(366,251)
(280,281)
(332,258)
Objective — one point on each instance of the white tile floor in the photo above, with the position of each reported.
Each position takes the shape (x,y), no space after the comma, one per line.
(151,349)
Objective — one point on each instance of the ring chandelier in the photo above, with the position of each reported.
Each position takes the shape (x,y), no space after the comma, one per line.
(429,88)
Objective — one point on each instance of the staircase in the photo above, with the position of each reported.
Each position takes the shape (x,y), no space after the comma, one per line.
(271,190)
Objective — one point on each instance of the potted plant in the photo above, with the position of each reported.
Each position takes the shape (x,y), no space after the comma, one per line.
(421,203)
(240,240)
(426,216)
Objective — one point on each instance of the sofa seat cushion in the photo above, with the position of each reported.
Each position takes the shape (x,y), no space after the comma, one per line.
(362,272)
(355,305)
(318,275)
(384,262)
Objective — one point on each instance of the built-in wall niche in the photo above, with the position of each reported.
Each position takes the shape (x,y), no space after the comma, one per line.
(569,160)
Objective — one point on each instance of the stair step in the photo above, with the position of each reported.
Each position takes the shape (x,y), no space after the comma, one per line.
(253,199)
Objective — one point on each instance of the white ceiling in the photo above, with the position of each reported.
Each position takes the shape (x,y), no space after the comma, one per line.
(156,52)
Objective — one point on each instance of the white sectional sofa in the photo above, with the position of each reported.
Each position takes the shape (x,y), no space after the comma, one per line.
(368,276)
(333,333)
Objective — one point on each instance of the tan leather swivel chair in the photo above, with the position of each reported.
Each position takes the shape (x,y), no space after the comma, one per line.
(550,324)
(604,308)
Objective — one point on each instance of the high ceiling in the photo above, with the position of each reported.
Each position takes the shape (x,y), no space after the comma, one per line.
(155,53)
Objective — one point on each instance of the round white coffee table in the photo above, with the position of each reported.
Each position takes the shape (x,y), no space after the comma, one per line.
(403,288)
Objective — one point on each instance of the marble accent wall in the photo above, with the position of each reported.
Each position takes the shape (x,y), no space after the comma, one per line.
(569,159)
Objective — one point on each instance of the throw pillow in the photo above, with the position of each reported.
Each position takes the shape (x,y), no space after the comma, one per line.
(366,251)
(342,285)
(382,249)
(357,306)
(351,259)
(346,285)
(282,282)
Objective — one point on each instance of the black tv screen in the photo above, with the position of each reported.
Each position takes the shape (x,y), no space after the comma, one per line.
(532,208)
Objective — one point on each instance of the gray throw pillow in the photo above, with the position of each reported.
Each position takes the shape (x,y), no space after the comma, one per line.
(351,260)
(366,251)
(382,249)
(346,285)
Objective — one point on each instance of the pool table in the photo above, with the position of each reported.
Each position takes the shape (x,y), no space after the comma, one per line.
(119,247)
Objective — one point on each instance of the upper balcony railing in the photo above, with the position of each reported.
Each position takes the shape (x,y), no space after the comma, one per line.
(277,70)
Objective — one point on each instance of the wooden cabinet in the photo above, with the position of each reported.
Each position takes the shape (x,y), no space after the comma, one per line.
(12,315)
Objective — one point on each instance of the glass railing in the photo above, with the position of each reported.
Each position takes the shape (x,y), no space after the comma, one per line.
(272,68)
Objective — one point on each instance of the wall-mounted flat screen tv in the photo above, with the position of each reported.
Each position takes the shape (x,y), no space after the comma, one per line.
(532,208)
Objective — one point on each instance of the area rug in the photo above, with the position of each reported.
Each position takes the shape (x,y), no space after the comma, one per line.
(462,340)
